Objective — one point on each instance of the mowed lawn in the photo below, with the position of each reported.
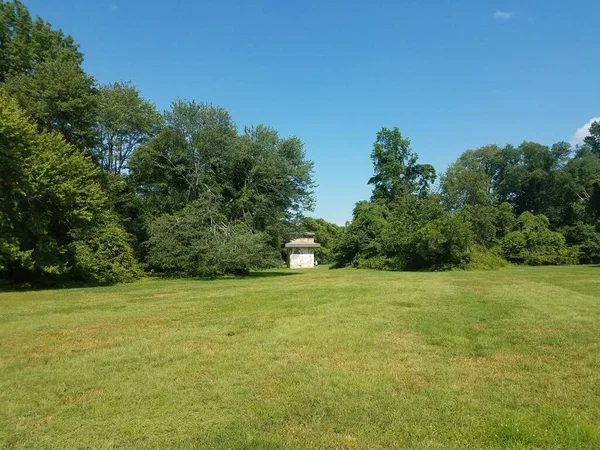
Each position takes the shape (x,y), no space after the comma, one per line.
(309,359)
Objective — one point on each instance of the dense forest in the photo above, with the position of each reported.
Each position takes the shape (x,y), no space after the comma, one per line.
(530,204)
(97,186)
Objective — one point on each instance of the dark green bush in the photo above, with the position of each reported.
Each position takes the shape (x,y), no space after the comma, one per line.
(533,243)
(441,244)
(586,239)
(197,242)
(104,255)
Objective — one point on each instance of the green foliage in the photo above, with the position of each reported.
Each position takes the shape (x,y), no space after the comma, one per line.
(533,243)
(103,254)
(199,242)
(25,43)
(41,68)
(593,140)
(586,239)
(440,244)
(469,181)
(396,170)
(51,199)
(125,121)
(362,238)
(59,96)
(472,224)
(257,178)
(481,258)
(327,234)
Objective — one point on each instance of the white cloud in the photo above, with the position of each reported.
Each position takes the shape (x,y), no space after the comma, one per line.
(503,15)
(113,6)
(584,131)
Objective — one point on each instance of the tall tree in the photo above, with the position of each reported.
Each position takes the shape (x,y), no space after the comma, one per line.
(189,159)
(26,43)
(396,170)
(470,180)
(53,220)
(593,140)
(258,177)
(59,96)
(41,68)
(125,121)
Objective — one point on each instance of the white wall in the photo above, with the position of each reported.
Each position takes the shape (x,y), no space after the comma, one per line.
(300,258)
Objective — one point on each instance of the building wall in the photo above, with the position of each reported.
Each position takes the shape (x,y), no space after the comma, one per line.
(300,258)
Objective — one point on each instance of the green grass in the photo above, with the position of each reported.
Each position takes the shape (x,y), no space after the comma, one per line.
(310,359)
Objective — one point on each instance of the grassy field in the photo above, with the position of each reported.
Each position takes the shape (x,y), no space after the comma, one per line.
(310,359)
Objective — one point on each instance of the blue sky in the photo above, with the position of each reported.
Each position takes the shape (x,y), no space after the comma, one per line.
(451,74)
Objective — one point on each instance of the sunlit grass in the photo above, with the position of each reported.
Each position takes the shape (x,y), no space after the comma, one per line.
(308,359)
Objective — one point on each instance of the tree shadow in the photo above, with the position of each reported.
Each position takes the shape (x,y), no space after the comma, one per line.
(268,274)
(30,287)
(33,286)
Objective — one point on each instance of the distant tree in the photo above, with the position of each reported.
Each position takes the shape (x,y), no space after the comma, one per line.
(188,159)
(396,170)
(327,234)
(361,244)
(440,244)
(470,180)
(200,242)
(593,140)
(125,121)
(586,239)
(257,177)
(531,242)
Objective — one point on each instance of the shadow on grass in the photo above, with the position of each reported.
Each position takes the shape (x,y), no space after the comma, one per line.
(33,286)
(6,286)
(267,274)
(246,276)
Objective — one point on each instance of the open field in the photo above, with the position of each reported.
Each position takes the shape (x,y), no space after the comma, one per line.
(310,359)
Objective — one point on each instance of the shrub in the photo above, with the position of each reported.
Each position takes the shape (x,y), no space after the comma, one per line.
(482,258)
(586,239)
(104,255)
(441,244)
(533,243)
(198,243)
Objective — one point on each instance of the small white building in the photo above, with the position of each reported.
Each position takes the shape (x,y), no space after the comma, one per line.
(301,251)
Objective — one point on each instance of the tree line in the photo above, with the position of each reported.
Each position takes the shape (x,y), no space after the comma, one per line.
(530,204)
(97,186)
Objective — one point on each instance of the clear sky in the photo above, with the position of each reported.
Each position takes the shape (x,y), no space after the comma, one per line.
(451,74)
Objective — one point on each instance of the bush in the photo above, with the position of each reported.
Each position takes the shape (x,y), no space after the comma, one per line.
(586,239)
(374,263)
(534,244)
(441,244)
(482,258)
(105,255)
(198,243)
